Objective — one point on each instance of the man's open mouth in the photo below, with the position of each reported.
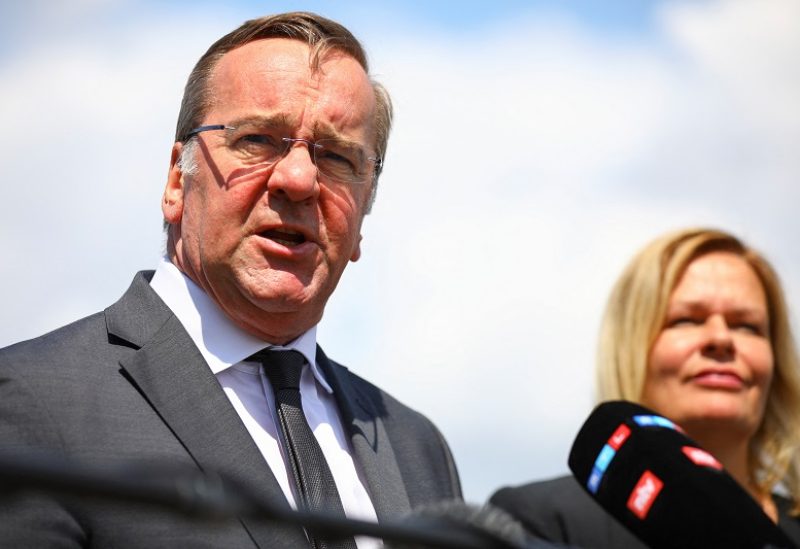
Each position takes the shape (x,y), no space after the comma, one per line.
(287,238)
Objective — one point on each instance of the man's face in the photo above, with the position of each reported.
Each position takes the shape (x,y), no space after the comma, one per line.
(269,242)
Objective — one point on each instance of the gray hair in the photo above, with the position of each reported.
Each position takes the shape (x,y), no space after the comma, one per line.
(187,162)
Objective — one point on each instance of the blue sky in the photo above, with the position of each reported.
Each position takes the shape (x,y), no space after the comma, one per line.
(452,16)
(536,147)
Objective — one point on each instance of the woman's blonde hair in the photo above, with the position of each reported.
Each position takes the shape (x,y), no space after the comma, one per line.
(634,317)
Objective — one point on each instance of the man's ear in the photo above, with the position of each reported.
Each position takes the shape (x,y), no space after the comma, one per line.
(357,249)
(172,202)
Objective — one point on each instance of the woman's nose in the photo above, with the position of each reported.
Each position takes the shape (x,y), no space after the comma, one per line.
(719,343)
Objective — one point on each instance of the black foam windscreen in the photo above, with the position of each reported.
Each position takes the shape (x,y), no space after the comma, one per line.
(660,484)
(490,526)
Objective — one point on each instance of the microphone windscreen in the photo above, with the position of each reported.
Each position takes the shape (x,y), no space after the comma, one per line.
(489,526)
(660,484)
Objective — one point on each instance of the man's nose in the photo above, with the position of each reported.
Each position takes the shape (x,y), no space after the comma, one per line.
(295,175)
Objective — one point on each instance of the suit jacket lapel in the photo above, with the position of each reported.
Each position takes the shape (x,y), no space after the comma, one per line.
(172,375)
(361,417)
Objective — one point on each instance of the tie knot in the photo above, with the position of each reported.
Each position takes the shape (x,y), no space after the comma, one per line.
(283,368)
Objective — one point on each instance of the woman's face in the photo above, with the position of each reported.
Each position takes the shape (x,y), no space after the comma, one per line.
(711,366)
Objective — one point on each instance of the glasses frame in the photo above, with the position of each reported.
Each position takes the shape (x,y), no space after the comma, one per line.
(376,160)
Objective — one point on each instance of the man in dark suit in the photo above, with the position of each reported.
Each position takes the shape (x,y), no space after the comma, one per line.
(278,149)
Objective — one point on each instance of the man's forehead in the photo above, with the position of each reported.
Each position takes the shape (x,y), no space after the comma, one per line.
(273,78)
(284,55)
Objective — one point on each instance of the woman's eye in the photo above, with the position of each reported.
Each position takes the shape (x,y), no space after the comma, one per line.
(750,328)
(683,321)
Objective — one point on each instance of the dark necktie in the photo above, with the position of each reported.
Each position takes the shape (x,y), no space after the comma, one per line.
(316,488)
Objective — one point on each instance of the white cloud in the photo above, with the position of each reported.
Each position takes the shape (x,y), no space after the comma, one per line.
(525,169)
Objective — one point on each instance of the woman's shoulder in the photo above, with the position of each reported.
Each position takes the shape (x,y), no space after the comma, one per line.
(556,492)
(789,523)
(560,510)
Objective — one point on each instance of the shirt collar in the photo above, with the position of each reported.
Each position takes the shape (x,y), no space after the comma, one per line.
(221,342)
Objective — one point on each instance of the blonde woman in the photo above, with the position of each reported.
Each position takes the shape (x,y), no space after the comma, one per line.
(697,329)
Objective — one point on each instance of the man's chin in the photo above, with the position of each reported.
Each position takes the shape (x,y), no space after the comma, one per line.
(282,293)
(286,299)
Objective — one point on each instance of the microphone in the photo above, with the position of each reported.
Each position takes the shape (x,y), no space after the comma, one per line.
(494,525)
(212,496)
(643,470)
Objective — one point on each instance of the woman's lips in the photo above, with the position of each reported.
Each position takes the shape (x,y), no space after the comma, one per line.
(716,379)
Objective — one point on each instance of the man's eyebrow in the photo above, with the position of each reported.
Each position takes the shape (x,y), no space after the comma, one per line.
(324,130)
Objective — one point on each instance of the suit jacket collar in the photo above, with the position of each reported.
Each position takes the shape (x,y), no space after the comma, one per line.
(220,340)
(361,414)
(171,374)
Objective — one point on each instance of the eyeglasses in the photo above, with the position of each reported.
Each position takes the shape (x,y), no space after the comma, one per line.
(337,160)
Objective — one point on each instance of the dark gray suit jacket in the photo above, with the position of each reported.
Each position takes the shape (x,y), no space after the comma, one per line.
(128,384)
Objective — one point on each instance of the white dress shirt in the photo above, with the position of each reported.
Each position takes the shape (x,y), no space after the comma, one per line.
(224,347)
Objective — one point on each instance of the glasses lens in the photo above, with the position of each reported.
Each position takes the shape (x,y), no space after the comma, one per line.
(341,161)
(253,145)
(336,160)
